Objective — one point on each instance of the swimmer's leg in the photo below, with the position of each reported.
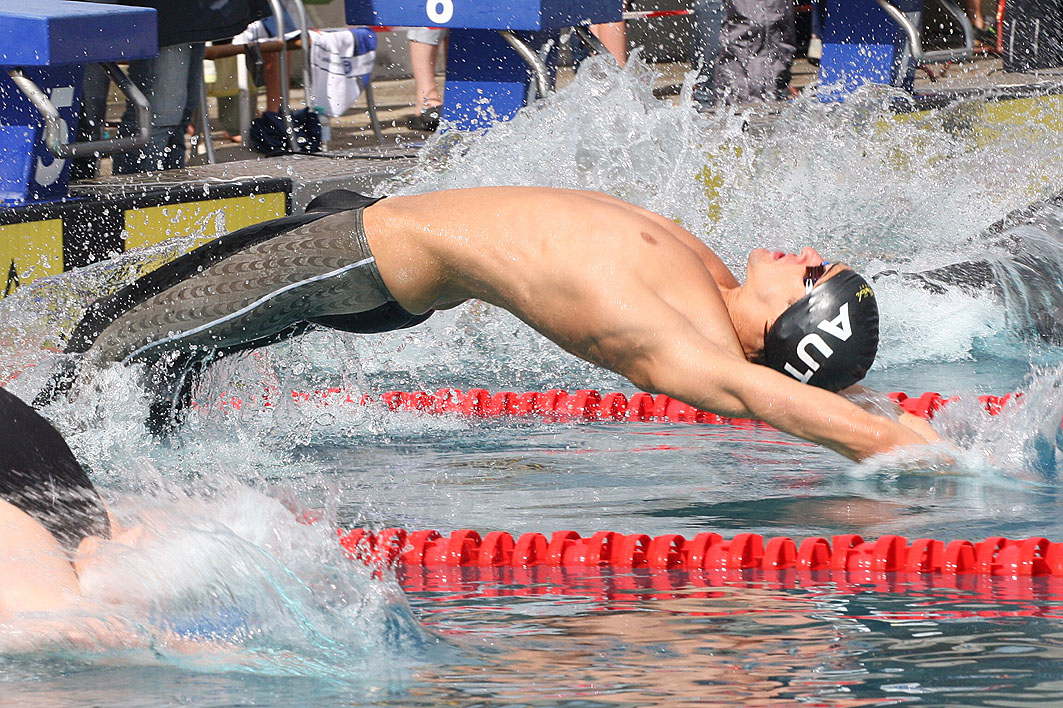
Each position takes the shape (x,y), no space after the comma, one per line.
(174,379)
(316,270)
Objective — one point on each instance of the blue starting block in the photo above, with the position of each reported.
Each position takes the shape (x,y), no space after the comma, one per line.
(493,59)
(879,41)
(44,45)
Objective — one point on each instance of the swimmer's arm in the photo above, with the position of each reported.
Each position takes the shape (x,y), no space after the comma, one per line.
(41,605)
(26,633)
(44,583)
(820,416)
(875,402)
(695,371)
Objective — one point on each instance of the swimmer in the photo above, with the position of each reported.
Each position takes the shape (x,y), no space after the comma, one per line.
(53,525)
(612,283)
(49,510)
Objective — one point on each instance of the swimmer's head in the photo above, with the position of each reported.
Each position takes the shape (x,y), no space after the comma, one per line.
(829,337)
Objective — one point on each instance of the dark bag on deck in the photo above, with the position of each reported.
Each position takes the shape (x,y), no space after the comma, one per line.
(1033,35)
(268,134)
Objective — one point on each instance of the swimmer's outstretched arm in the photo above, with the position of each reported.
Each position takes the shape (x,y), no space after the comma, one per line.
(78,628)
(875,402)
(692,369)
(815,414)
(41,605)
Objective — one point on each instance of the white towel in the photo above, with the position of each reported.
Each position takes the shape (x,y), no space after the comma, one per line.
(336,69)
(257,32)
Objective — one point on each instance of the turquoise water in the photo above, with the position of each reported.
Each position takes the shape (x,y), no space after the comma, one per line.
(286,619)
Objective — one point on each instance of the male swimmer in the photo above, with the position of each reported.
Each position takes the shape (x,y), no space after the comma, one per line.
(615,284)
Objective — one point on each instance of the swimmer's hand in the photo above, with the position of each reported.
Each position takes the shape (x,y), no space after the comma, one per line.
(878,403)
(920,426)
(923,452)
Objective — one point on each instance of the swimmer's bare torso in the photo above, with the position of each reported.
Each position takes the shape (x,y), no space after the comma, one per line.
(538,252)
(621,287)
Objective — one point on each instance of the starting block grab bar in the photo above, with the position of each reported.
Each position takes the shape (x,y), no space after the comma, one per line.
(54,130)
(915,42)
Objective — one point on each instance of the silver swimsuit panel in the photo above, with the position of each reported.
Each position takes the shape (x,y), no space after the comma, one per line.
(317,269)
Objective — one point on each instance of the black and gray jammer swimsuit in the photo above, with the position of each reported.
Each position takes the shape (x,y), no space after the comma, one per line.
(246,289)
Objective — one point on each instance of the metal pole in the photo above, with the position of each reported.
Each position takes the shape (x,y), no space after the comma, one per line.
(286,114)
(53,131)
(204,116)
(304,37)
(533,60)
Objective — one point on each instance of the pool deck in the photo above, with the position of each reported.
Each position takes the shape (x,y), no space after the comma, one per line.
(368,162)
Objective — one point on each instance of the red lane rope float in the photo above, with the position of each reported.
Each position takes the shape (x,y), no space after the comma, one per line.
(995,556)
(558,404)
(943,597)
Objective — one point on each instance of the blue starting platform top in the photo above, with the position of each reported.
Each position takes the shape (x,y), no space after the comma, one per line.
(55,32)
(482,14)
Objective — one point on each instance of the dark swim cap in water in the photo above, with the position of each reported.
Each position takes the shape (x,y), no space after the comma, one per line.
(828,338)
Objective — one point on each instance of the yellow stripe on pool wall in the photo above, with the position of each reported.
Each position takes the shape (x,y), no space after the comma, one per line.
(29,251)
(207,219)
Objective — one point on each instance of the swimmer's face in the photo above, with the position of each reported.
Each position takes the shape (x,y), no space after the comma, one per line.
(775,279)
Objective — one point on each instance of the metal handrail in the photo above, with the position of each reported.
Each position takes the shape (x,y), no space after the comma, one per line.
(533,60)
(915,42)
(304,37)
(286,114)
(535,63)
(53,131)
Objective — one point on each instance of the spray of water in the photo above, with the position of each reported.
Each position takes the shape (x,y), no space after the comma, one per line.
(852,180)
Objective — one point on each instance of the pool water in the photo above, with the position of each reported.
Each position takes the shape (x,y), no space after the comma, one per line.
(280,616)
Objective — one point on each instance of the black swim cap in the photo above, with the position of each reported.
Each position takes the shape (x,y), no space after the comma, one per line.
(828,338)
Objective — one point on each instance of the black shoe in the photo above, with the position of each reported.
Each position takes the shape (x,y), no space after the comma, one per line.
(428,120)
